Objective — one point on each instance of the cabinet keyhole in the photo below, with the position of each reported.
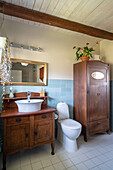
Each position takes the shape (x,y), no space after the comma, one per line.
(18,119)
(27,135)
(35,133)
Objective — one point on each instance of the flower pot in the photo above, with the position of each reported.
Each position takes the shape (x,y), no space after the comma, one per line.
(84,58)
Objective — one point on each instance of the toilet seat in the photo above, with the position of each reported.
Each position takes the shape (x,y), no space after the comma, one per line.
(70,124)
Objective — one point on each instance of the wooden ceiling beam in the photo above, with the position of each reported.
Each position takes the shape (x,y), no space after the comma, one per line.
(32,15)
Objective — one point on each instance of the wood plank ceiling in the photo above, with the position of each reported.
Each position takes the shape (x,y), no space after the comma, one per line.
(96,13)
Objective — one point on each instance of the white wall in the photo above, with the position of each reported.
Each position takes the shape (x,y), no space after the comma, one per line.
(58,52)
(106,51)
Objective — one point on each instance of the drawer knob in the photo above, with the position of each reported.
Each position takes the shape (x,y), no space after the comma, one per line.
(18,119)
(98,123)
(43,116)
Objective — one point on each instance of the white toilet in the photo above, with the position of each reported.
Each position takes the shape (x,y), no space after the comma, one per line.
(68,129)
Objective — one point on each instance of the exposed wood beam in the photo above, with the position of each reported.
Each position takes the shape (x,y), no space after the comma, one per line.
(28,14)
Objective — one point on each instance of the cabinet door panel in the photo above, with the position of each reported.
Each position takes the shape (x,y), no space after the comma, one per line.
(43,131)
(97,94)
(17,137)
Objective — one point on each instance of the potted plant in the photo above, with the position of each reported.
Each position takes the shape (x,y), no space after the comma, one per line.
(84,53)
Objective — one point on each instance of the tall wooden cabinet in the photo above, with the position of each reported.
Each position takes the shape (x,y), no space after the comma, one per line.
(91,96)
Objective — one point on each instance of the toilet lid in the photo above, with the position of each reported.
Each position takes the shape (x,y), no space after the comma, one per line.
(70,123)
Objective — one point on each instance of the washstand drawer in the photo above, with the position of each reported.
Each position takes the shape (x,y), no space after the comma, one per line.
(43,116)
(19,119)
(98,125)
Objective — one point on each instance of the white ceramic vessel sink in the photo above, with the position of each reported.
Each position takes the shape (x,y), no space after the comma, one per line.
(31,105)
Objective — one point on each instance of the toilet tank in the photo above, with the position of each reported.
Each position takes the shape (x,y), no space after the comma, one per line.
(63,111)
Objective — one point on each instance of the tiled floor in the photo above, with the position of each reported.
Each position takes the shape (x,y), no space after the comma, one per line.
(96,154)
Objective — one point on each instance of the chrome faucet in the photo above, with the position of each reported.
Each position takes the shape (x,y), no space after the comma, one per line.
(28,96)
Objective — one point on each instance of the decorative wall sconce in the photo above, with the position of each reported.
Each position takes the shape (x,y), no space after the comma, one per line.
(26,47)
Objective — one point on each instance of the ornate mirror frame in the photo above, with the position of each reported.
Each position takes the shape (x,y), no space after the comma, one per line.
(44,83)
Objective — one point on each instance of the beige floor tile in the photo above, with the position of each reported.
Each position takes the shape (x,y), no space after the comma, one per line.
(37,166)
(12,168)
(59,166)
(81,166)
(96,168)
(96,161)
(12,164)
(102,158)
(104,167)
(25,161)
(83,157)
(34,158)
(89,164)
(54,159)
(62,156)
(46,163)
(109,164)
(76,160)
(49,168)
(26,167)
(72,168)
(67,163)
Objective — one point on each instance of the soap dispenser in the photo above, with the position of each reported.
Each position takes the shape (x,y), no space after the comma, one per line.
(11,95)
(42,93)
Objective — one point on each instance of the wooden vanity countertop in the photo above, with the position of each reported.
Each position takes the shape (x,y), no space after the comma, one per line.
(11,112)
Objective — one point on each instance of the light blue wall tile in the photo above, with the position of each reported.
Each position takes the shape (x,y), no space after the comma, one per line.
(58,90)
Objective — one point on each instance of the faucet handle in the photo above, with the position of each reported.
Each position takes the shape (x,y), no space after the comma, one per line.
(29,93)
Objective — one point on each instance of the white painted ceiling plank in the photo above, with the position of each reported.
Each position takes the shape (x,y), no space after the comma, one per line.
(71,8)
(30,4)
(8,1)
(79,6)
(107,24)
(84,13)
(58,7)
(38,4)
(97,13)
(45,5)
(91,6)
(65,7)
(16,2)
(23,3)
(105,18)
(52,6)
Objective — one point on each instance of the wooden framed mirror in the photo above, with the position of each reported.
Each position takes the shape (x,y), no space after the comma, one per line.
(26,72)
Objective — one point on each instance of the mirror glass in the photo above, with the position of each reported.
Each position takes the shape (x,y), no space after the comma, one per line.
(25,72)
(97,75)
